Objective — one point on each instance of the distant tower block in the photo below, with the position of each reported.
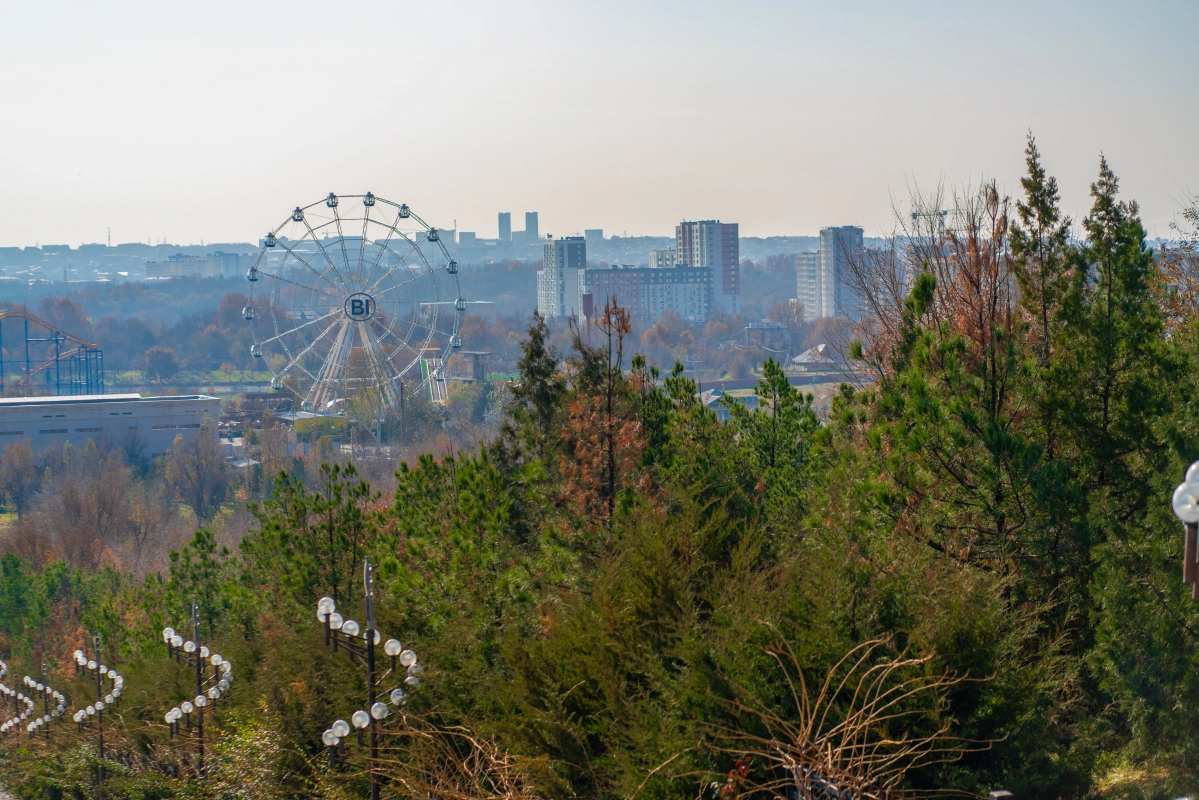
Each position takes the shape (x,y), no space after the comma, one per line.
(532,231)
(505,226)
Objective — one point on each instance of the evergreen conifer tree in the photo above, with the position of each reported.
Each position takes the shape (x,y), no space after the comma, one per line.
(1040,248)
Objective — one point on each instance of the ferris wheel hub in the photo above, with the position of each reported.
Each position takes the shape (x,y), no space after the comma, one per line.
(360,307)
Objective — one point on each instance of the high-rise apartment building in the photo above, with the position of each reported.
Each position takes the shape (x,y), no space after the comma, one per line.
(807,284)
(662,259)
(558,292)
(822,279)
(839,246)
(532,231)
(715,245)
(505,226)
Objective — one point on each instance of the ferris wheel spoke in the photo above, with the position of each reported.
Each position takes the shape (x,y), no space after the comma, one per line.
(401,261)
(418,352)
(306,287)
(324,253)
(413,247)
(385,248)
(332,372)
(341,240)
(295,360)
(374,354)
(389,331)
(413,278)
(300,327)
(314,270)
(366,218)
(413,324)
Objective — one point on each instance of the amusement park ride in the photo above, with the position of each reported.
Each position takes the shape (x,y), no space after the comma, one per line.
(354,300)
(71,365)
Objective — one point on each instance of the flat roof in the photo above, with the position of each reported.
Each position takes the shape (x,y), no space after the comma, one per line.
(69,399)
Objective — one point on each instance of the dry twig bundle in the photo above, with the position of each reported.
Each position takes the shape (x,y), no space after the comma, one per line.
(425,758)
(852,738)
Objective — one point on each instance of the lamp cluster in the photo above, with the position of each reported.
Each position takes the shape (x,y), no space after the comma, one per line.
(212,687)
(85,665)
(47,694)
(348,634)
(13,698)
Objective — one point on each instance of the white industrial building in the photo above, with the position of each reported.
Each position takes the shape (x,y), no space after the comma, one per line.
(147,423)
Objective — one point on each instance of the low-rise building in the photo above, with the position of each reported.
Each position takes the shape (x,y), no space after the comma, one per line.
(718,402)
(818,358)
(148,424)
(648,293)
(213,265)
(774,336)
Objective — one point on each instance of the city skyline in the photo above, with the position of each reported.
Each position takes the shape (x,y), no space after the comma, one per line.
(160,122)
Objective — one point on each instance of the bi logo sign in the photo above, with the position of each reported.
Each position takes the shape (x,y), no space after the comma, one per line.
(360,307)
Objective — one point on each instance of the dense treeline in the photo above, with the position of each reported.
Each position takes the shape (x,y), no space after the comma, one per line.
(621,596)
(185,331)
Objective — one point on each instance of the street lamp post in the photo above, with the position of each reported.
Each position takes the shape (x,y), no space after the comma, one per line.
(210,688)
(47,694)
(14,699)
(1186,508)
(346,634)
(95,711)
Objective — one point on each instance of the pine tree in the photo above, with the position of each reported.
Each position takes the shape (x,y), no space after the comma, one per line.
(1040,248)
(1120,372)
(778,437)
(535,394)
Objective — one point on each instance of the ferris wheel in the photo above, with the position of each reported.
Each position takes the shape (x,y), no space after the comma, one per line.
(352,299)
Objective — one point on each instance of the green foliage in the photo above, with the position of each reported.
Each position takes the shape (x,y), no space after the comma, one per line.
(200,572)
(537,391)
(777,436)
(310,543)
(994,506)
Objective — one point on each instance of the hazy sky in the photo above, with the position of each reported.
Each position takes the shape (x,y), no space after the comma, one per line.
(211,120)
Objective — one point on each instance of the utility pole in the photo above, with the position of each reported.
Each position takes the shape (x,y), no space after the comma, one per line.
(46,696)
(369,581)
(99,718)
(199,689)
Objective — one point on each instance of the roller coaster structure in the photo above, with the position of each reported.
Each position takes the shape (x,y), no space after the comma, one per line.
(69,370)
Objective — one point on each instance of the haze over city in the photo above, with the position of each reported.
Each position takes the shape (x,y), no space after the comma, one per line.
(653,400)
(186,123)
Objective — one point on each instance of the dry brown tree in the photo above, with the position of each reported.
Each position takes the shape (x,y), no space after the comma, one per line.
(964,247)
(1179,289)
(196,470)
(876,715)
(603,436)
(424,758)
